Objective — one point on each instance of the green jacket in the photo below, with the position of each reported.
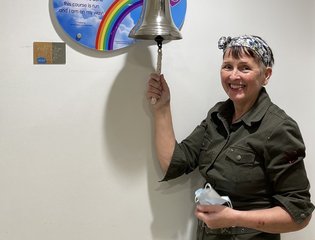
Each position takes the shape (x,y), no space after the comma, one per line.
(257,161)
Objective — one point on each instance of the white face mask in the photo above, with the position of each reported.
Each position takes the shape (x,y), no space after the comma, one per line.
(208,196)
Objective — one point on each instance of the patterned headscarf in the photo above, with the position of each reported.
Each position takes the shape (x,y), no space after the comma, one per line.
(259,46)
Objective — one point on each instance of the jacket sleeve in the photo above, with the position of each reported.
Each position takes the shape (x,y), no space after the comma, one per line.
(186,154)
(285,153)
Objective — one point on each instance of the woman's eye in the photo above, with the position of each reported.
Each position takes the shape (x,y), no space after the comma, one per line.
(245,68)
(227,67)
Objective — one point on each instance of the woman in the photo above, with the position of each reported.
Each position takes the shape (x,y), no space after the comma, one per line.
(247,148)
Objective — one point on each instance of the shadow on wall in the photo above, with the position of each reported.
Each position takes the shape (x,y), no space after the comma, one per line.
(173,208)
(127,127)
(129,137)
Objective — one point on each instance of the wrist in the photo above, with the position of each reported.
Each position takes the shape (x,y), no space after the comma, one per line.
(162,111)
(236,218)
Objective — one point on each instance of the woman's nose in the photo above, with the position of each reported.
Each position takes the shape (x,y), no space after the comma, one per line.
(235,74)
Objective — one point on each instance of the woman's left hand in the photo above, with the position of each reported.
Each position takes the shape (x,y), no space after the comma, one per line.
(271,220)
(215,216)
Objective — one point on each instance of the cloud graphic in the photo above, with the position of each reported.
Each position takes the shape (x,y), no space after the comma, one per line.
(121,38)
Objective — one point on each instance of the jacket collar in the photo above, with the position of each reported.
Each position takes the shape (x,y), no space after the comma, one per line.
(225,109)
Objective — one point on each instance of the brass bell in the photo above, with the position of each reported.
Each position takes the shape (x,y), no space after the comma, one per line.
(155,22)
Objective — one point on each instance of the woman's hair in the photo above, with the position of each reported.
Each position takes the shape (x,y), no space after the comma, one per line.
(238,51)
(249,45)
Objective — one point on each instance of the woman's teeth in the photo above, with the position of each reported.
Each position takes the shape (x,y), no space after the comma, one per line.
(236,86)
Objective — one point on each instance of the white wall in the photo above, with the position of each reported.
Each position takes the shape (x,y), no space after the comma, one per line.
(76,154)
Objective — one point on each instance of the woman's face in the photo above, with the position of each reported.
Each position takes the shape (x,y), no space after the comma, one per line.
(242,78)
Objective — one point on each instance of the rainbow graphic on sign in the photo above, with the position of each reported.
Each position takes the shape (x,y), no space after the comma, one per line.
(111,21)
(104,25)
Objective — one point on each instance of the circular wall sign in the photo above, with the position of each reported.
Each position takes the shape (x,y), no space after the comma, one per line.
(104,25)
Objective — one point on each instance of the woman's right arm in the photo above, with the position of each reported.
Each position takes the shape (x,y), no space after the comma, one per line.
(163,125)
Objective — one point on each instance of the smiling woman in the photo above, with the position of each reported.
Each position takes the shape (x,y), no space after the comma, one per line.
(246,68)
(244,148)
(242,80)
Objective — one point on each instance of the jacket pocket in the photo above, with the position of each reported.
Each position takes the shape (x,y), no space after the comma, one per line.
(243,165)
